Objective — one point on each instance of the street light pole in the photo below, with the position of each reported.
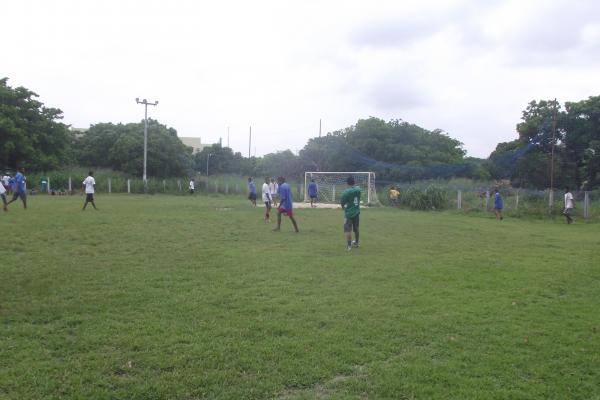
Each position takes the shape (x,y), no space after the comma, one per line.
(146,104)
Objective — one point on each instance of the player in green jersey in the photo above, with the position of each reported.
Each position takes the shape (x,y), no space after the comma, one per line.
(351,206)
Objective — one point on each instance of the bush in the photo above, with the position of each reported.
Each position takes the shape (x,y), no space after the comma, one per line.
(432,197)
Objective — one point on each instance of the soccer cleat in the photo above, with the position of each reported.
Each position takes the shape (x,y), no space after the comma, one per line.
(354,243)
(348,248)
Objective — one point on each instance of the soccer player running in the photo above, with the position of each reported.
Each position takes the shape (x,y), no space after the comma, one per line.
(498,204)
(267,199)
(351,205)
(19,188)
(88,185)
(252,191)
(312,193)
(569,205)
(285,204)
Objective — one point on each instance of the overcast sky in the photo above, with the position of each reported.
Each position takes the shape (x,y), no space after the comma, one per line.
(466,67)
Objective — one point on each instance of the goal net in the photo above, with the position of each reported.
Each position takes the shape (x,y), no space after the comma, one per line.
(331,185)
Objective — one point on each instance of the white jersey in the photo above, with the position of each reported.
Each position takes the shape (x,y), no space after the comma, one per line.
(266,192)
(272,188)
(5,180)
(2,189)
(89,183)
(191,185)
(568,200)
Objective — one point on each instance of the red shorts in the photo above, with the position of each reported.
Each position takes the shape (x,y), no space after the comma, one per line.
(289,212)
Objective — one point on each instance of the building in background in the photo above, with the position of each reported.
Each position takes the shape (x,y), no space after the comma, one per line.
(194,142)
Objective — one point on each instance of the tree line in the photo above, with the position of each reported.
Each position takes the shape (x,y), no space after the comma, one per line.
(33,136)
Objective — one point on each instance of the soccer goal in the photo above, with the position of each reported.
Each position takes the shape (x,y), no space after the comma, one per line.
(331,185)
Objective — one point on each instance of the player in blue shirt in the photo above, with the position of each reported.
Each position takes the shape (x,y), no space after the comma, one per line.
(312,193)
(285,203)
(252,191)
(19,188)
(498,204)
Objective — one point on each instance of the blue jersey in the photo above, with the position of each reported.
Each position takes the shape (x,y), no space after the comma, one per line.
(252,187)
(19,183)
(498,201)
(285,197)
(312,189)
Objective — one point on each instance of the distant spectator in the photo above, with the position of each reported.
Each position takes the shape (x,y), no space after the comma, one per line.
(312,193)
(498,204)
(394,194)
(88,185)
(569,206)
(251,191)
(192,186)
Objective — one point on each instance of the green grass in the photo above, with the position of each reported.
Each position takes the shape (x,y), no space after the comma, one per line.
(172,297)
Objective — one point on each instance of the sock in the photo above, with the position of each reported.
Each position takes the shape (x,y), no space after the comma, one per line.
(349,243)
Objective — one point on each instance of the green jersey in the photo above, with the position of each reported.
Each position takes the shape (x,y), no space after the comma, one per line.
(351,202)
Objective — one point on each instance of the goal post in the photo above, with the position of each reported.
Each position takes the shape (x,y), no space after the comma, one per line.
(330,185)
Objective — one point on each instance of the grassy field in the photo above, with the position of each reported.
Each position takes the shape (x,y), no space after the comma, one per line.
(166,297)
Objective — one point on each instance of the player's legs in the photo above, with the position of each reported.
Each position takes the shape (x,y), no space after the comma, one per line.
(294,223)
(24,199)
(278,220)
(355,221)
(267,211)
(4,203)
(567,215)
(348,233)
(14,198)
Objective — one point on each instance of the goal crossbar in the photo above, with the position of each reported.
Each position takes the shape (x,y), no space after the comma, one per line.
(331,184)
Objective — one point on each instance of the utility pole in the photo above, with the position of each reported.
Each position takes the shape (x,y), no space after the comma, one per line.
(207,160)
(250,142)
(227,136)
(552,152)
(319,127)
(146,104)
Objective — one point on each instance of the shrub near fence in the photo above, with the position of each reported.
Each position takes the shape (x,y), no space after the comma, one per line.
(516,202)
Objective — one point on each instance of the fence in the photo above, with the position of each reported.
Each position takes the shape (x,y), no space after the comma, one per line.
(516,202)
(223,185)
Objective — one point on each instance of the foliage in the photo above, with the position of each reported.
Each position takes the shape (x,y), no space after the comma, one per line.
(30,133)
(120,147)
(430,197)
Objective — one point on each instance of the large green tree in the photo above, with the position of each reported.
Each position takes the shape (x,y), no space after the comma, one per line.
(30,133)
(121,147)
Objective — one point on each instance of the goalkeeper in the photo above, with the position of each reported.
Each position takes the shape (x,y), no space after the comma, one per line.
(351,206)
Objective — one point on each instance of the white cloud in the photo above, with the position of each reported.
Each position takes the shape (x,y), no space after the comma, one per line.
(467,67)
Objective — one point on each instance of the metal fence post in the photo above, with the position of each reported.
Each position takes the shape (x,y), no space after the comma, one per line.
(550,199)
(164,186)
(179,184)
(48,185)
(109,186)
(517,201)
(128,185)
(459,200)
(70,185)
(586,205)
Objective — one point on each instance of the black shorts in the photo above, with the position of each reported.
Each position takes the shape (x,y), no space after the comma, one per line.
(252,196)
(22,195)
(89,197)
(268,204)
(351,224)
(314,197)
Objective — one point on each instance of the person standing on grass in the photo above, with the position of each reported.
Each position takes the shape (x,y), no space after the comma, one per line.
(351,205)
(88,185)
(192,186)
(6,182)
(312,193)
(498,204)
(285,204)
(252,191)
(569,205)
(273,188)
(394,193)
(3,195)
(19,190)
(267,199)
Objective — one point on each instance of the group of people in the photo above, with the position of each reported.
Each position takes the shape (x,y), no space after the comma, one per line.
(15,185)
(569,205)
(274,190)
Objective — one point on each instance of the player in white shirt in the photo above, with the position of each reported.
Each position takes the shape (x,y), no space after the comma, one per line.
(569,205)
(88,185)
(192,186)
(3,195)
(273,189)
(267,199)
